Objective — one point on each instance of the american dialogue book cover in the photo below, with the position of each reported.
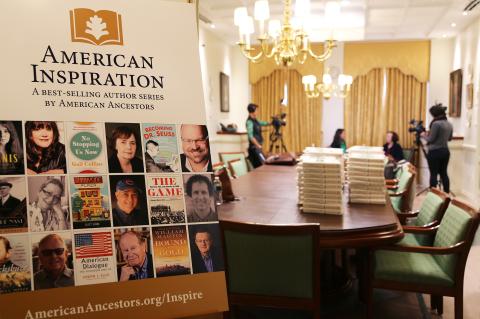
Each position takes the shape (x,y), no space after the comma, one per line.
(165,198)
(161,148)
(170,248)
(86,148)
(90,202)
(14,263)
(94,260)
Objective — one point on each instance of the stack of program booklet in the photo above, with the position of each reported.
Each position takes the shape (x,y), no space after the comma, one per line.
(365,174)
(320,183)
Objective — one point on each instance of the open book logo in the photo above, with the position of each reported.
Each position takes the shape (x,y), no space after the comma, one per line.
(101,27)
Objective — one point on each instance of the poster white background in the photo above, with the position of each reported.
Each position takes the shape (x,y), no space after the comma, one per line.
(28,27)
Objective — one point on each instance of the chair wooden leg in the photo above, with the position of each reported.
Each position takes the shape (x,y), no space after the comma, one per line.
(369,301)
(440,305)
(433,302)
(459,306)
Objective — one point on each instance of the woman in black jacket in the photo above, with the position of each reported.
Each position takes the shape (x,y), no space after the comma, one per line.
(392,149)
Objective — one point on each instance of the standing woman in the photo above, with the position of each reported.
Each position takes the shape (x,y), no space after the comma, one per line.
(441,131)
(11,152)
(339,140)
(45,153)
(392,149)
(124,143)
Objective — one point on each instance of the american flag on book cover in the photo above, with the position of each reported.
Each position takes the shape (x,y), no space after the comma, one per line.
(93,245)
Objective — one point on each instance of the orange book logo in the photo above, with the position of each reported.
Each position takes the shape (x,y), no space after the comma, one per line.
(101,27)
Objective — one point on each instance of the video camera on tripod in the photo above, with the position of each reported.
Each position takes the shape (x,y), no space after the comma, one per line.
(278,121)
(276,138)
(417,128)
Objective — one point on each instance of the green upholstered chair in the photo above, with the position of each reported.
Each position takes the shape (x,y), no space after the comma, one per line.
(237,168)
(272,267)
(437,269)
(430,214)
(228,156)
(403,193)
(431,211)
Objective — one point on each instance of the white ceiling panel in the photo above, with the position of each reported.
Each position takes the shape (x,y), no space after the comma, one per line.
(360,19)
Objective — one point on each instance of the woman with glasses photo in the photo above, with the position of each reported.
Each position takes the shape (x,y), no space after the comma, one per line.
(123,148)
(45,153)
(47,212)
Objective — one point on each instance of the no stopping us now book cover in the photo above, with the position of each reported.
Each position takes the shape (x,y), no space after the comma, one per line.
(90,163)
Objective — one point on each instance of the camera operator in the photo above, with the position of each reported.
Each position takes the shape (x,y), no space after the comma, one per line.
(255,139)
(441,132)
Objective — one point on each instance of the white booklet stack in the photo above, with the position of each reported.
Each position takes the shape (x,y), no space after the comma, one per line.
(365,174)
(320,184)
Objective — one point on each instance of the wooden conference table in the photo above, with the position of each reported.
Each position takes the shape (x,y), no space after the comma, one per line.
(268,195)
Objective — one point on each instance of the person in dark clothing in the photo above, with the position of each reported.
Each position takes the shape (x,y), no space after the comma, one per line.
(441,131)
(392,149)
(123,143)
(205,255)
(255,138)
(339,140)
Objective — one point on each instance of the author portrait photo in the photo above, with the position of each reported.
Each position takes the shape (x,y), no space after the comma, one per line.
(196,148)
(138,262)
(124,151)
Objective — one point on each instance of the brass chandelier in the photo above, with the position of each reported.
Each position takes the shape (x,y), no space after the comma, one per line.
(284,43)
(332,85)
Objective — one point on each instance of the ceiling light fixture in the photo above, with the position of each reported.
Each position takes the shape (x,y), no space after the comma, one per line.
(285,43)
(453,24)
(333,84)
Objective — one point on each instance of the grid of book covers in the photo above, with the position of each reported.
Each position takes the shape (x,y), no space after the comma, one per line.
(85,203)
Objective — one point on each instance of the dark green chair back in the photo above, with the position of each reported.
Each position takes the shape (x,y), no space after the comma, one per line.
(270,265)
(453,230)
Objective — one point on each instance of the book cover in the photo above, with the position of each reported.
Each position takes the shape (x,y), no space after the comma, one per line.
(52,254)
(134,253)
(13,204)
(86,148)
(161,148)
(90,201)
(94,260)
(165,198)
(124,149)
(200,198)
(14,263)
(11,148)
(170,248)
(45,147)
(48,203)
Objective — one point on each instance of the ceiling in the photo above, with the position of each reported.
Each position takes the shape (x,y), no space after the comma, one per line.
(359,19)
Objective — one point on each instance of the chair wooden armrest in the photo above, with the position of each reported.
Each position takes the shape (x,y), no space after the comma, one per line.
(392,187)
(391,181)
(409,214)
(397,194)
(457,248)
(421,229)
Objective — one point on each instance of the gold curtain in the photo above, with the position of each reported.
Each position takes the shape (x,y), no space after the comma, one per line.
(304,116)
(364,113)
(405,100)
(411,57)
(380,101)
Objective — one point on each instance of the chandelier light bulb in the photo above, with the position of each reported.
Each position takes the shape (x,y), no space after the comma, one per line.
(247,27)
(261,11)
(239,14)
(327,79)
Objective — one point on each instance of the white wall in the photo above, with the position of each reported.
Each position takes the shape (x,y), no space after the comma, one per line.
(217,56)
(333,108)
(462,52)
